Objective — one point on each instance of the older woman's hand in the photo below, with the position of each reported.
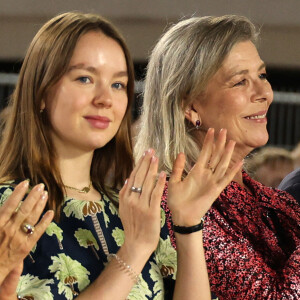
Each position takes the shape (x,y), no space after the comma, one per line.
(189,199)
(20,228)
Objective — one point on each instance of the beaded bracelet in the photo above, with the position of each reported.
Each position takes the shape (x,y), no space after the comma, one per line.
(134,276)
(189,229)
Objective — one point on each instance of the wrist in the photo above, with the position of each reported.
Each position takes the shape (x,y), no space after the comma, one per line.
(188,229)
(134,255)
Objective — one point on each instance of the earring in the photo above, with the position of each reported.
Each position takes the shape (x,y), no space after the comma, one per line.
(41,111)
(198,124)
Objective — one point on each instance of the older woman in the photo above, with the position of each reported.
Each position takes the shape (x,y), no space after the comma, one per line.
(206,73)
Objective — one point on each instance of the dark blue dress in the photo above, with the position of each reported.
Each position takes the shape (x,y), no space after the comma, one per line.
(72,253)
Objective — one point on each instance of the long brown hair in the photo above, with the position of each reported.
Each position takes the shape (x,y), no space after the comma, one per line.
(26,149)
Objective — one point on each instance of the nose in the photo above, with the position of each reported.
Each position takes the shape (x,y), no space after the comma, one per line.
(103,96)
(262,92)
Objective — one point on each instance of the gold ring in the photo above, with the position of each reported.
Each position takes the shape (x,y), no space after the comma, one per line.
(28,229)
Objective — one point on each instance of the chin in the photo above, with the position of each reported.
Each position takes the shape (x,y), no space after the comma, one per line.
(260,141)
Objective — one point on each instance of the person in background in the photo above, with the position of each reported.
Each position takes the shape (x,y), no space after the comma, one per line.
(204,73)
(291,184)
(296,155)
(269,165)
(69,131)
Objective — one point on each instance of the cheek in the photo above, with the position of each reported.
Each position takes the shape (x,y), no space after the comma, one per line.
(121,110)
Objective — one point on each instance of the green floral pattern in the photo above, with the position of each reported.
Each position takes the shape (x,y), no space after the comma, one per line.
(72,253)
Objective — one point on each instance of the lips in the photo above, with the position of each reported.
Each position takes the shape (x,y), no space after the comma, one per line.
(98,122)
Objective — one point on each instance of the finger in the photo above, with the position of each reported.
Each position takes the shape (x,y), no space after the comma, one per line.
(218,149)
(224,162)
(11,204)
(228,177)
(38,209)
(149,182)
(178,168)
(206,150)
(137,179)
(129,181)
(41,227)
(26,207)
(158,191)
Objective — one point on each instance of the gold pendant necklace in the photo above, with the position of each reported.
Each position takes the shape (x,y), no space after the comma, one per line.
(84,190)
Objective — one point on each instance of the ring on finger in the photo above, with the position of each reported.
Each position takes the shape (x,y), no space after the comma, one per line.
(27,228)
(136,189)
(210,167)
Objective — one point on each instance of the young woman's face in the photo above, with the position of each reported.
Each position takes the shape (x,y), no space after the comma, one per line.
(88,103)
(238,97)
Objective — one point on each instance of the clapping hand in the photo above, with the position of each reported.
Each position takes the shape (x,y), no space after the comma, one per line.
(189,199)
(140,205)
(20,230)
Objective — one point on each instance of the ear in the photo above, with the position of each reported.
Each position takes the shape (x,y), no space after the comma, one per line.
(43,105)
(191,114)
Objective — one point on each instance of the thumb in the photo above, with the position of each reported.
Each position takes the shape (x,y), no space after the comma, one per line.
(10,283)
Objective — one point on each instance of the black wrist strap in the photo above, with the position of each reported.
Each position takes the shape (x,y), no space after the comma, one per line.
(189,229)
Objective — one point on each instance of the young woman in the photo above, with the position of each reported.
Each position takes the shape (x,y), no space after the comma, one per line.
(69,128)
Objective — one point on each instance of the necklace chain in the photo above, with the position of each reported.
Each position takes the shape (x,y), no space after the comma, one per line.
(84,190)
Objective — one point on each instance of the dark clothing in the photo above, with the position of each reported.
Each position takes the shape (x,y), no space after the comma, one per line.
(252,243)
(73,252)
(291,184)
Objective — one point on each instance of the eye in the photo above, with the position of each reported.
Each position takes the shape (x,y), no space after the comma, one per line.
(119,85)
(242,82)
(263,76)
(84,79)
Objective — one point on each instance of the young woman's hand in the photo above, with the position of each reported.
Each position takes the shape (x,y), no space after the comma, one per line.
(15,243)
(189,199)
(10,283)
(140,210)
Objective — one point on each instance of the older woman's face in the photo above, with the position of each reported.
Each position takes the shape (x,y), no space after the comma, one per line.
(238,97)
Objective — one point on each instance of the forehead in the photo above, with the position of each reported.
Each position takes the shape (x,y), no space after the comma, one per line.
(242,54)
(95,47)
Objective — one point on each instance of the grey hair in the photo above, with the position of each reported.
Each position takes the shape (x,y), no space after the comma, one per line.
(180,66)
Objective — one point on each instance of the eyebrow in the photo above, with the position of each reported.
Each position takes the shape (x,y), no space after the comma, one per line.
(94,70)
(262,66)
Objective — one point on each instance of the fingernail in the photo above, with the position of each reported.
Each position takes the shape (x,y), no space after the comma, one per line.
(221,130)
(40,187)
(47,215)
(126,181)
(153,159)
(25,183)
(162,174)
(44,195)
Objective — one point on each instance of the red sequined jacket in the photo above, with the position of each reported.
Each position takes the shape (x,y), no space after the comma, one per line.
(252,243)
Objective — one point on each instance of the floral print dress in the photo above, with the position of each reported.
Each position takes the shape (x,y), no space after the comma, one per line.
(252,243)
(72,253)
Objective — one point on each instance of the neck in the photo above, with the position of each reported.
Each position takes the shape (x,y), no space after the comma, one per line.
(75,169)
(238,155)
